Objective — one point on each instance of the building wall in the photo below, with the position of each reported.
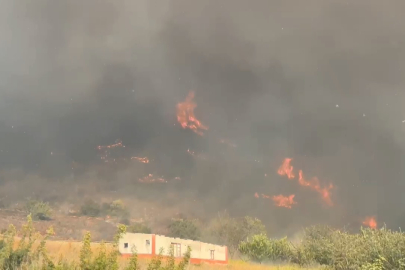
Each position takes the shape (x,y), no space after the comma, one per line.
(139,241)
(200,252)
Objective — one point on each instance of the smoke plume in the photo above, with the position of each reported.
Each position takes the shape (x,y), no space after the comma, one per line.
(320,82)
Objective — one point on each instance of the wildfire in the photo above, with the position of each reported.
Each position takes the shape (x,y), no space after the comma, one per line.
(370,222)
(314,185)
(279,200)
(141,159)
(104,155)
(151,179)
(286,169)
(186,117)
(117,144)
(284,201)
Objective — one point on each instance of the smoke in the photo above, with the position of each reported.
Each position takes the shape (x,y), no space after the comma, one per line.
(318,81)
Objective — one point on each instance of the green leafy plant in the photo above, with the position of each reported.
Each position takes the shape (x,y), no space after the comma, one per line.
(257,249)
(139,228)
(39,210)
(90,208)
(225,230)
(184,228)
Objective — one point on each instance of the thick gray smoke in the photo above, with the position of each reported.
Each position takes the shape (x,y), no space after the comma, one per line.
(318,81)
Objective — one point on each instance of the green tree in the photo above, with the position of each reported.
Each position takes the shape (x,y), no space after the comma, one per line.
(184,228)
(139,228)
(229,231)
(86,252)
(90,208)
(257,249)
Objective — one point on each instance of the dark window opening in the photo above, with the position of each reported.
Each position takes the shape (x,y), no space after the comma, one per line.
(212,252)
(125,245)
(147,242)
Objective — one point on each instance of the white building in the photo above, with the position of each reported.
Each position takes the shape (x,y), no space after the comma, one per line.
(149,245)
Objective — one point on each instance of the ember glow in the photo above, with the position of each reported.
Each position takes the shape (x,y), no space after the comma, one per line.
(284,201)
(141,159)
(370,222)
(286,169)
(105,150)
(186,117)
(117,144)
(151,179)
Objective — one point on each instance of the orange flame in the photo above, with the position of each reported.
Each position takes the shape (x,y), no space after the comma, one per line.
(370,222)
(286,169)
(118,144)
(284,201)
(186,117)
(314,185)
(141,159)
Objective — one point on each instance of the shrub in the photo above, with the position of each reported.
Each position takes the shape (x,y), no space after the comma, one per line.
(184,228)
(90,208)
(139,228)
(256,249)
(39,210)
(260,248)
(229,231)
(116,209)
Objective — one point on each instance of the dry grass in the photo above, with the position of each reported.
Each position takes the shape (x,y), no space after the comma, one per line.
(71,249)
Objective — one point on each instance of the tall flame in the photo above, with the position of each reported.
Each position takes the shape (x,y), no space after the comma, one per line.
(186,117)
(370,222)
(284,201)
(286,169)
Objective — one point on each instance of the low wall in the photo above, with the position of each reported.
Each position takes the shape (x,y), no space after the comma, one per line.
(148,245)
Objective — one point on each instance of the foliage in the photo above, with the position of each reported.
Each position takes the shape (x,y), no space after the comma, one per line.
(260,248)
(133,262)
(39,210)
(12,258)
(139,228)
(229,231)
(90,208)
(157,262)
(184,228)
(257,249)
(114,209)
(369,249)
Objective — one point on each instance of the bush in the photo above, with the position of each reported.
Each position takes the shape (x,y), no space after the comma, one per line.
(228,231)
(39,210)
(260,248)
(116,209)
(139,228)
(90,208)
(256,249)
(184,228)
